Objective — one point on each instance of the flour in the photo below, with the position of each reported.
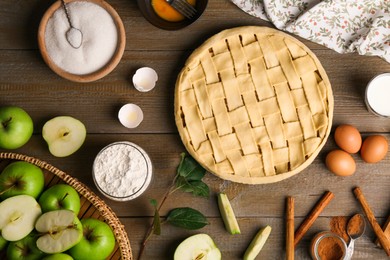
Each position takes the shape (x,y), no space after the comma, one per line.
(99,40)
(122,171)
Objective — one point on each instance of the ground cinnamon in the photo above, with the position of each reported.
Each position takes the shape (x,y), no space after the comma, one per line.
(355,225)
(330,248)
(338,225)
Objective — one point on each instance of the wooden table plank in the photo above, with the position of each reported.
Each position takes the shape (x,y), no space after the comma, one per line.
(20,73)
(251,200)
(233,246)
(26,81)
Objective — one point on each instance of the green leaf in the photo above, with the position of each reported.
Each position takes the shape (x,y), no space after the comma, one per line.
(197,188)
(187,218)
(156,218)
(190,169)
(153,202)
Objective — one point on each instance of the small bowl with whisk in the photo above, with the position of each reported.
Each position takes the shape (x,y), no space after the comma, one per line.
(162,15)
(102,45)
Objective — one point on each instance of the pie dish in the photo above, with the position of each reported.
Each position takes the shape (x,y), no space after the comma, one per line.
(253,105)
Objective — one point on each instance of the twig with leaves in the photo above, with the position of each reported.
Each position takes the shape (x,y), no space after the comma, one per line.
(188,178)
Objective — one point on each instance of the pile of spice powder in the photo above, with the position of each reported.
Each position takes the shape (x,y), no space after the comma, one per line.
(338,225)
(100,37)
(330,248)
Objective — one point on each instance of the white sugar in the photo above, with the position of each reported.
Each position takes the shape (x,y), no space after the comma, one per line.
(99,41)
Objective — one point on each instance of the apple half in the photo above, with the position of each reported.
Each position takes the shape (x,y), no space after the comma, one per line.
(200,246)
(64,135)
(59,230)
(17,216)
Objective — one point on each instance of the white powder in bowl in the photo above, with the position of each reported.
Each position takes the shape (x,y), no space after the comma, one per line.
(122,171)
(99,43)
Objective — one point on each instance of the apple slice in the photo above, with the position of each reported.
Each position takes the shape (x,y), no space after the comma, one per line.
(17,216)
(64,135)
(200,246)
(227,213)
(60,230)
(257,243)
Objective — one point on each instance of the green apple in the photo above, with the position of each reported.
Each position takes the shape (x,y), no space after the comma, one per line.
(257,243)
(59,230)
(227,213)
(17,216)
(21,178)
(3,242)
(60,196)
(16,127)
(64,135)
(200,246)
(97,243)
(60,256)
(25,249)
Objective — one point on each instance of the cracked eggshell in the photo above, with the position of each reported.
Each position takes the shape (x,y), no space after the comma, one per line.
(145,79)
(130,115)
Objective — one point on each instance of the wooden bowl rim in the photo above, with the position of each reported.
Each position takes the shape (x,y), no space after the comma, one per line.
(106,212)
(105,70)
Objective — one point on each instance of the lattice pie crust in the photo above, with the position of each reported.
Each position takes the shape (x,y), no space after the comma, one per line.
(253,105)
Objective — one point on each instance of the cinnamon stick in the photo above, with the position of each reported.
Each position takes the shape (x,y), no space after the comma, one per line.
(290,229)
(309,220)
(386,230)
(372,220)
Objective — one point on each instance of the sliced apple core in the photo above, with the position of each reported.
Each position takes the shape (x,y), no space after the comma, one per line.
(257,243)
(227,213)
(17,216)
(60,230)
(197,247)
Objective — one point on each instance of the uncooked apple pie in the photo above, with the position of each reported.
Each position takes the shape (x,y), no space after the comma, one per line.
(253,105)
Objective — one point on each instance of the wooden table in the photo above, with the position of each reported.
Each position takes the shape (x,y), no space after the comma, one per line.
(26,81)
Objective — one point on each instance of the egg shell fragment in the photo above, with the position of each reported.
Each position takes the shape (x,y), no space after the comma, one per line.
(340,163)
(374,148)
(348,138)
(145,79)
(130,115)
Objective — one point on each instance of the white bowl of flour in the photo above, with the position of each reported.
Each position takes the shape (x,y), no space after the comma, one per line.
(102,44)
(122,171)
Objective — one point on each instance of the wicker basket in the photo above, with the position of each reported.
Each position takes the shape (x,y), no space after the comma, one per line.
(91,205)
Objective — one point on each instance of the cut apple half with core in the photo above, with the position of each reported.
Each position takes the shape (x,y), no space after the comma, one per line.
(197,247)
(64,135)
(17,216)
(60,230)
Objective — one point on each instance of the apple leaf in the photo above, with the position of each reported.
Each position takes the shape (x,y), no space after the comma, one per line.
(187,218)
(197,188)
(156,218)
(190,169)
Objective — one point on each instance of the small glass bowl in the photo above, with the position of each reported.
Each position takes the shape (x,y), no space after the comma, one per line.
(378,88)
(314,248)
(115,180)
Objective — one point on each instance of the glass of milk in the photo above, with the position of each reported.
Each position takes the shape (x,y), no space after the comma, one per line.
(377,97)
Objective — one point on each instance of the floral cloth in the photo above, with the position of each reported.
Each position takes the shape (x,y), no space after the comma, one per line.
(361,26)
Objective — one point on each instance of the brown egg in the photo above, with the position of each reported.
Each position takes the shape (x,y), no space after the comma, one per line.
(374,148)
(348,138)
(340,163)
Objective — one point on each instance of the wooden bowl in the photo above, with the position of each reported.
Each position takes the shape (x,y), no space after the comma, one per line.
(94,75)
(147,11)
(91,205)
